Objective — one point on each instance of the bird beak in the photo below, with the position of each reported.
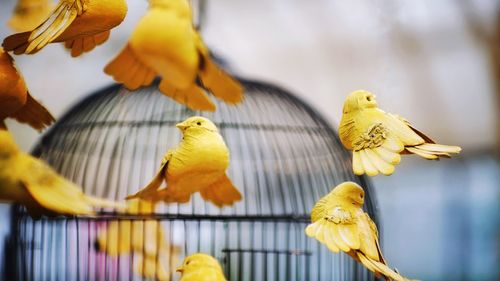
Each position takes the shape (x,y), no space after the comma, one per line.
(180,269)
(181,126)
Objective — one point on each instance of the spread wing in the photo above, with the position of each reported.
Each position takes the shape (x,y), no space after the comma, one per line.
(376,150)
(337,230)
(62,17)
(148,191)
(53,192)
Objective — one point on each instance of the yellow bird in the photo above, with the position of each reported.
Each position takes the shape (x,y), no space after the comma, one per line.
(377,138)
(338,222)
(80,24)
(201,267)
(197,164)
(166,44)
(15,100)
(144,238)
(28,14)
(29,181)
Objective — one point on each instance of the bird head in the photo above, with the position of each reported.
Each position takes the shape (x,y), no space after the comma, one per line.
(7,145)
(351,191)
(197,124)
(360,99)
(197,261)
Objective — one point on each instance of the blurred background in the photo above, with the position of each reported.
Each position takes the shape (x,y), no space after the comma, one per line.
(437,63)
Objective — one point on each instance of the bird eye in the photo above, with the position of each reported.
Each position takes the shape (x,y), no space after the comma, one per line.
(188,262)
(368,98)
(199,123)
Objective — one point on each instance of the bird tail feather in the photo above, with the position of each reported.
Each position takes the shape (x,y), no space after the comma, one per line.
(222,192)
(193,97)
(85,44)
(380,268)
(126,68)
(34,114)
(432,151)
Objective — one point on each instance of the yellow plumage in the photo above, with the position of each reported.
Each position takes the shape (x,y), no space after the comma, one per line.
(29,181)
(339,223)
(197,164)
(377,138)
(201,267)
(165,43)
(15,100)
(80,24)
(28,14)
(144,238)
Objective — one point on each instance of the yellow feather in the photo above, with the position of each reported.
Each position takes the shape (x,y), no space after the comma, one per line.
(357,165)
(379,163)
(367,164)
(330,239)
(422,153)
(389,156)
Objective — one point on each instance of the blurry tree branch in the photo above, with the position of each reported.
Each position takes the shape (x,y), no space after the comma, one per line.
(490,38)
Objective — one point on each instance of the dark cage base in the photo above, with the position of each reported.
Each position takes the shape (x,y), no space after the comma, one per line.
(284,157)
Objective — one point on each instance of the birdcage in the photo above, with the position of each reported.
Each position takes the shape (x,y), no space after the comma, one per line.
(284,157)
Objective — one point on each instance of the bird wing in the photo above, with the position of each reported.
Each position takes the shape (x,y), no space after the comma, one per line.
(52,191)
(62,17)
(221,192)
(337,230)
(9,75)
(128,69)
(216,80)
(376,150)
(34,114)
(149,190)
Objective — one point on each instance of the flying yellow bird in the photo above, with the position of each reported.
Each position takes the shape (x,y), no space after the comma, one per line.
(29,181)
(144,238)
(28,14)
(377,138)
(80,24)
(198,163)
(201,267)
(339,223)
(166,44)
(15,100)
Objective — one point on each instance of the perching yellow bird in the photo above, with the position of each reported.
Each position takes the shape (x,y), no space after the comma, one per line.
(28,14)
(80,24)
(377,138)
(145,239)
(201,267)
(338,222)
(198,163)
(15,100)
(166,44)
(29,181)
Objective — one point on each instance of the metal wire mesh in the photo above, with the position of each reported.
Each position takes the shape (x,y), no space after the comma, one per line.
(284,157)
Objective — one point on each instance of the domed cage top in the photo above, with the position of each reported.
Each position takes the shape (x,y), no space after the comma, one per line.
(284,157)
